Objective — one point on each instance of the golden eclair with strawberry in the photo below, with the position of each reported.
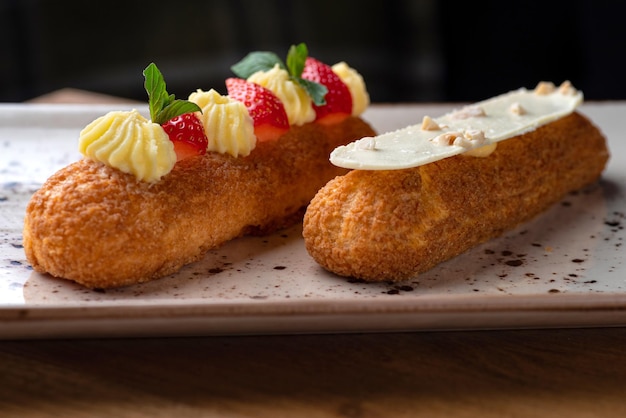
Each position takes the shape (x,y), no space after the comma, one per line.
(153,195)
(427,193)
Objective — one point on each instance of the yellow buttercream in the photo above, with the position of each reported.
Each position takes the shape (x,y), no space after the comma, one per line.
(129,142)
(297,102)
(356,85)
(227,123)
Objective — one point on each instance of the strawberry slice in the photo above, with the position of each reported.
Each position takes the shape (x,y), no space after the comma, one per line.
(187,134)
(266,110)
(338,99)
(294,65)
(175,116)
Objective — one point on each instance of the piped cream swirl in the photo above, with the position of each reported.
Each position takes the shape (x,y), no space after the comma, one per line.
(129,142)
(297,102)
(227,123)
(356,85)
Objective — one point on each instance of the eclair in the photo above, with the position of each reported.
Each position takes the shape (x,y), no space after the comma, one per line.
(422,195)
(152,195)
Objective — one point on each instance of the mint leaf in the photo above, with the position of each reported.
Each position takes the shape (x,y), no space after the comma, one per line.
(155,87)
(296,58)
(316,91)
(175,108)
(256,61)
(163,106)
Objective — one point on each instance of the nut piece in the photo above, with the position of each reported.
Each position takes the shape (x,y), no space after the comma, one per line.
(544,88)
(470,138)
(447,138)
(567,89)
(467,139)
(469,112)
(475,135)
(428,124)
(517,109)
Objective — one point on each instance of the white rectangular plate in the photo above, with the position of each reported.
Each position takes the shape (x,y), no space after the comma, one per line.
(563,269)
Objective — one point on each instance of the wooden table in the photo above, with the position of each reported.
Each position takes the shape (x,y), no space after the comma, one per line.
(522,373)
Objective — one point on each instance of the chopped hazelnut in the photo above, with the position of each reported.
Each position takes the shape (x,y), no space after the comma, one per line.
(428,124)
(544,87)
(567,89)
(470,138)
(446,138)
(469,112)
(475,135)
(517,109)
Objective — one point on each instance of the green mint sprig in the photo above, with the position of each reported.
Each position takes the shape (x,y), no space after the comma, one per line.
(163,106)
(296,57)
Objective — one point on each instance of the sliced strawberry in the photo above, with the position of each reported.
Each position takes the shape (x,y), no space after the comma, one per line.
(187,134)
(266,110)
(338,99)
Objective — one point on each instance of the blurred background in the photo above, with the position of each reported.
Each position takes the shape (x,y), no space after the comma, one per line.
(407,50)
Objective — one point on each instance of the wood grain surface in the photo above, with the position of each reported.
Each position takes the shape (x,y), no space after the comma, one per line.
(522,373)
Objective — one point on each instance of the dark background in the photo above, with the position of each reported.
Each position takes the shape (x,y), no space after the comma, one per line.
(407,51)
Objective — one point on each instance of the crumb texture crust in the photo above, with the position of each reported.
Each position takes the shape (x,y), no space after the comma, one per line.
(102,228)
(394,224)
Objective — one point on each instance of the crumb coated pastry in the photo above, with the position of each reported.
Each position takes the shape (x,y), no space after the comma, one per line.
(102,228)
(154,195)
(381,225)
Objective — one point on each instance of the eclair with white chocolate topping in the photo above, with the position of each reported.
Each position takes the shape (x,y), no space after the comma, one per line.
(385,224)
